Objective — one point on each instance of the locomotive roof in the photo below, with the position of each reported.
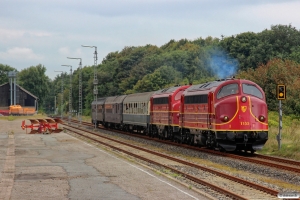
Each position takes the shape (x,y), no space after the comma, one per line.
(145,96)
(168,90)
(207,85)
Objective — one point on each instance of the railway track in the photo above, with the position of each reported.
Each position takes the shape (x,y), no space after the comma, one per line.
(279,163)
(239,187)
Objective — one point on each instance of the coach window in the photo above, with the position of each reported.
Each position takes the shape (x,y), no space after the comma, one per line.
(227,90)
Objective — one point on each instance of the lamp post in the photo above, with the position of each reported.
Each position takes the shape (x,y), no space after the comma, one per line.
(95,81)
(80,89)
(55,105)
(62,94)
(70,93)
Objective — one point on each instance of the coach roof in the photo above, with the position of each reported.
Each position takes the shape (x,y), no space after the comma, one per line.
(138,97)
(115,99)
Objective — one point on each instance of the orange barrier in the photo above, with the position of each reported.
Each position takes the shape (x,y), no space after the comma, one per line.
(19,110)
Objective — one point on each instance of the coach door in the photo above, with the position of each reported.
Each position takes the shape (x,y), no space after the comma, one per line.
(170,114)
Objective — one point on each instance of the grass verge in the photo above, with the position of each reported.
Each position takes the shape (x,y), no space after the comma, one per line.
(290,137)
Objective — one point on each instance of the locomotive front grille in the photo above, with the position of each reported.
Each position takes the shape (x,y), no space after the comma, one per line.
(236,135)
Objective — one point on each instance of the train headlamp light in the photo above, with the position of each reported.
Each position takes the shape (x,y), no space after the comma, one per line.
(244,99)
(225,118)
(261,118)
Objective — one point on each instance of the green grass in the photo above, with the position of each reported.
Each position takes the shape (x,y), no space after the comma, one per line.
(290,137)
(12,118)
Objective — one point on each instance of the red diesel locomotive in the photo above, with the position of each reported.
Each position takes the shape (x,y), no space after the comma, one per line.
(228,115)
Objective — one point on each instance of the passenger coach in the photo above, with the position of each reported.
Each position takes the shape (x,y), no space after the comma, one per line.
(113,108)
(99,116)
(136,112)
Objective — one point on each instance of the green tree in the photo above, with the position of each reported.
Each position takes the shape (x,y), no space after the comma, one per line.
(277,71)
(159,79)
(253,49)
(55,91)
(35,81)
(87,88)
(4,69)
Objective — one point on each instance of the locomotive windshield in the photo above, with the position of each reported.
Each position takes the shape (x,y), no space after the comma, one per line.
(228,90)
(252,90)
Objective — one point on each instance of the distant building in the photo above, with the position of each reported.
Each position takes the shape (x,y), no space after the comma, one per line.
(20,97)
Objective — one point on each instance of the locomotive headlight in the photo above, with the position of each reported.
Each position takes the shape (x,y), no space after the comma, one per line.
(224,118)
(261,118)
(244,99)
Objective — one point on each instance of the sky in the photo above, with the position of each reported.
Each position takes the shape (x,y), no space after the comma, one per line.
(46,32)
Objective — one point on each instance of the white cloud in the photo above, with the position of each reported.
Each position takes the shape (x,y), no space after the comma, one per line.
(15,33)
(273,14)
(65,51)
(10,34)
(49,31)
(20,53)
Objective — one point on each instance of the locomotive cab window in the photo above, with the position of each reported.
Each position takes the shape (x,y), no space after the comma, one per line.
(227,90)
(252,90)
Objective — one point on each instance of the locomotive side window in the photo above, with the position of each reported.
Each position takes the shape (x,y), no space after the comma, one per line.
(228,90)
(162,100)
(252,90)
(196,99)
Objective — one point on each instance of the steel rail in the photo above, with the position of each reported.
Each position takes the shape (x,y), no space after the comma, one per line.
(238,180)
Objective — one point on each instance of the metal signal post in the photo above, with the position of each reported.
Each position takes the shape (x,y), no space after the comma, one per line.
(70,93)
(62,94)
(80,90)
(278,137)
(95,80)
(281,95)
